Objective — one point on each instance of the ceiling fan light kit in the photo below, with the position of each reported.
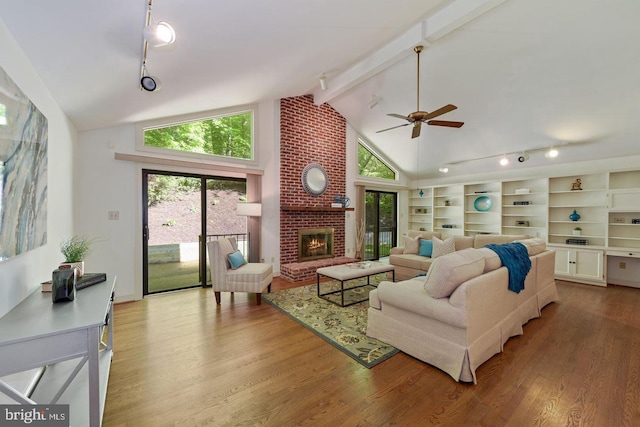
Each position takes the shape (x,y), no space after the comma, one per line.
(323,82)
(418,117)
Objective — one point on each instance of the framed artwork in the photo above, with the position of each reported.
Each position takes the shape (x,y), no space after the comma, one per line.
(23,172)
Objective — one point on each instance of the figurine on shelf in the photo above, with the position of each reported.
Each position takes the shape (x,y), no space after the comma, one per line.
(577,185)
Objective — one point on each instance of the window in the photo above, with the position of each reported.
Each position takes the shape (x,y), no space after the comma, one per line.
(371,165)
(229,135)
(3,115)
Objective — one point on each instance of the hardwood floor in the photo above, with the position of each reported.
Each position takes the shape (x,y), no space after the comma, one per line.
(180,360)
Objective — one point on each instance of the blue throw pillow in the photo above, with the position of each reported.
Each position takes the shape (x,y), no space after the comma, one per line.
(426,248)
(236,259)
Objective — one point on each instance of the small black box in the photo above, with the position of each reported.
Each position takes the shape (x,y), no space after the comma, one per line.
(63,285)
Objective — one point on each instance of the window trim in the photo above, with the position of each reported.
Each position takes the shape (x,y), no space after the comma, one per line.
(377,155)
(142,126)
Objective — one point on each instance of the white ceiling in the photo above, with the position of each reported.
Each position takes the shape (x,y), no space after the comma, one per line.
(524,74)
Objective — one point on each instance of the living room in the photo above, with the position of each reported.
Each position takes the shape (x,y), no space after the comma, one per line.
(85,181)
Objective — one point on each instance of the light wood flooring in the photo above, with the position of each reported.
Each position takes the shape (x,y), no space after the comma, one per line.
(180,360)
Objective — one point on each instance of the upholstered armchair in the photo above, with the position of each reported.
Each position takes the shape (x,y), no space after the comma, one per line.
(231,273)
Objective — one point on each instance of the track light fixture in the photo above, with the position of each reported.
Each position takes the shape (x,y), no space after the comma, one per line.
(523,157)
(323,82)
(156,35)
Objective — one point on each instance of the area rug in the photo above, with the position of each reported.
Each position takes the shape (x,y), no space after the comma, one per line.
(343,327)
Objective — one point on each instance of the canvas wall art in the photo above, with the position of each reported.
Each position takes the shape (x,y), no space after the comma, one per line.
(23,172)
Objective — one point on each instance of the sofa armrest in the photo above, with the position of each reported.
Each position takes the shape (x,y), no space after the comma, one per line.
(398,250)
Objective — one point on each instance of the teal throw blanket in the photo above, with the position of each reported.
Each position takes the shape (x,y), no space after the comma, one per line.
(515,257)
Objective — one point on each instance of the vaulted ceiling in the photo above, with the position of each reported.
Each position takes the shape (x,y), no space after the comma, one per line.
(524,74)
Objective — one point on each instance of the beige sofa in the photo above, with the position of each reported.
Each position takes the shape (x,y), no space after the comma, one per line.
(461,313)
(408,264)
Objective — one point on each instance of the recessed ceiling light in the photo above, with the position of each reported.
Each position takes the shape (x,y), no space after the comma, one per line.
(551,153)
(504,161)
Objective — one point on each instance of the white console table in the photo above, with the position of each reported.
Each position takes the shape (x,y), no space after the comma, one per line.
(62,337)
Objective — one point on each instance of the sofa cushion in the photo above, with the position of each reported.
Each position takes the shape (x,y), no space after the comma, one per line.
(534,246)
(426,247)
(482,240)
(411,245)
(491,259)
(442,247)
(449,271)
(411,261)
(463,242)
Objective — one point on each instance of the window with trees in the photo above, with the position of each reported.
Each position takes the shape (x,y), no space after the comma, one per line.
(371,165)
(228,135)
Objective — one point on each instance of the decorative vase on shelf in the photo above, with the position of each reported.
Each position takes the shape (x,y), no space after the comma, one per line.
(575,216)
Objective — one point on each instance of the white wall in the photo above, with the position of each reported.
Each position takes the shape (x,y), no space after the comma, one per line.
(22,274)
(116,185)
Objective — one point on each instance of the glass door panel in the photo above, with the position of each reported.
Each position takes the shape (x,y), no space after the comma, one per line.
(172,229)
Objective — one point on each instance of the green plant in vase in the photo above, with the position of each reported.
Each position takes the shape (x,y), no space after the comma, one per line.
(75,250)
(577,231)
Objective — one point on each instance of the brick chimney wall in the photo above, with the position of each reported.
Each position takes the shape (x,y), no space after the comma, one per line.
(310,134)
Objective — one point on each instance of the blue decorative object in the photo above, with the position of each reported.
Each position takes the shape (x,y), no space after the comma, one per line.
(482,203)
(421,193)
(574,216)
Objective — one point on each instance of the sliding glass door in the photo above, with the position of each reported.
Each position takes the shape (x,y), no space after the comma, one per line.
(381,226)
(180,212)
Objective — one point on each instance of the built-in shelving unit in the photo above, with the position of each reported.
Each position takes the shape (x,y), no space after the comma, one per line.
(482,209)
(524,207)
(587,196)
(448,210)
(421,209)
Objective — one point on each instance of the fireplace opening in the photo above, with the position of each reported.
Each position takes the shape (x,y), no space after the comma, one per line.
(315,243)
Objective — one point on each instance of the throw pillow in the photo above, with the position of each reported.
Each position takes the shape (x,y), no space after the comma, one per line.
(450,271)
(426,247)
(442,247)
(236,260)
(411,245)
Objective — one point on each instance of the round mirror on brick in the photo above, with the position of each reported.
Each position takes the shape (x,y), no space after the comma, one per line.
(314,179)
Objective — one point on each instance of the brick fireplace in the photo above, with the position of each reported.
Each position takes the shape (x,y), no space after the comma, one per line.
(310,134)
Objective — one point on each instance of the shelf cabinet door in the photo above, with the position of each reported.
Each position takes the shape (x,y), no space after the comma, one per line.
(580,264)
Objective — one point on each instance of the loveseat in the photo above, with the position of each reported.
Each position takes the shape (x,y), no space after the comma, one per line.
(409,263)
(462,312)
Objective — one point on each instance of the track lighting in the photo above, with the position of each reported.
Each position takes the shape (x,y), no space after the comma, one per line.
(523,157)
(504,161)
(552,153)
(160,34)
(156,35)
(323,82)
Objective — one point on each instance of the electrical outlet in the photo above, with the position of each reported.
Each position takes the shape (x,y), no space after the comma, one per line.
(623,265)
(114,215)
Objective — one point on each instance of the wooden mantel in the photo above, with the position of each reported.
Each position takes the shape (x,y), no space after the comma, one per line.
(314,209)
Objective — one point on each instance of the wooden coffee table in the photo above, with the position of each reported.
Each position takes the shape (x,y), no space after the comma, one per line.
(344,273)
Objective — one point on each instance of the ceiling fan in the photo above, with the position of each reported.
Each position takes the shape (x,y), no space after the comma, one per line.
(418,117)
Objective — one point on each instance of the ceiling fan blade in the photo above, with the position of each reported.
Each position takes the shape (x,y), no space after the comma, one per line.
(445,123)
(416,129)
(440,111)
(394,127)
(399,116)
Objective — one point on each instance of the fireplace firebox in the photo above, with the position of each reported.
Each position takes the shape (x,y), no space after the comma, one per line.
(315,243)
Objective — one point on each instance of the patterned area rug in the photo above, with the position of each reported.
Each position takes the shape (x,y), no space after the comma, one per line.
(343,327)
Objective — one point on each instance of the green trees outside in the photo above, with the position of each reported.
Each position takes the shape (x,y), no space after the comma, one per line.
(370,165)
(228,136)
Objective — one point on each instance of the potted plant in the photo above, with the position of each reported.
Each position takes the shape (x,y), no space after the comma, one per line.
(577,231)
(75,250)
(447,202)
